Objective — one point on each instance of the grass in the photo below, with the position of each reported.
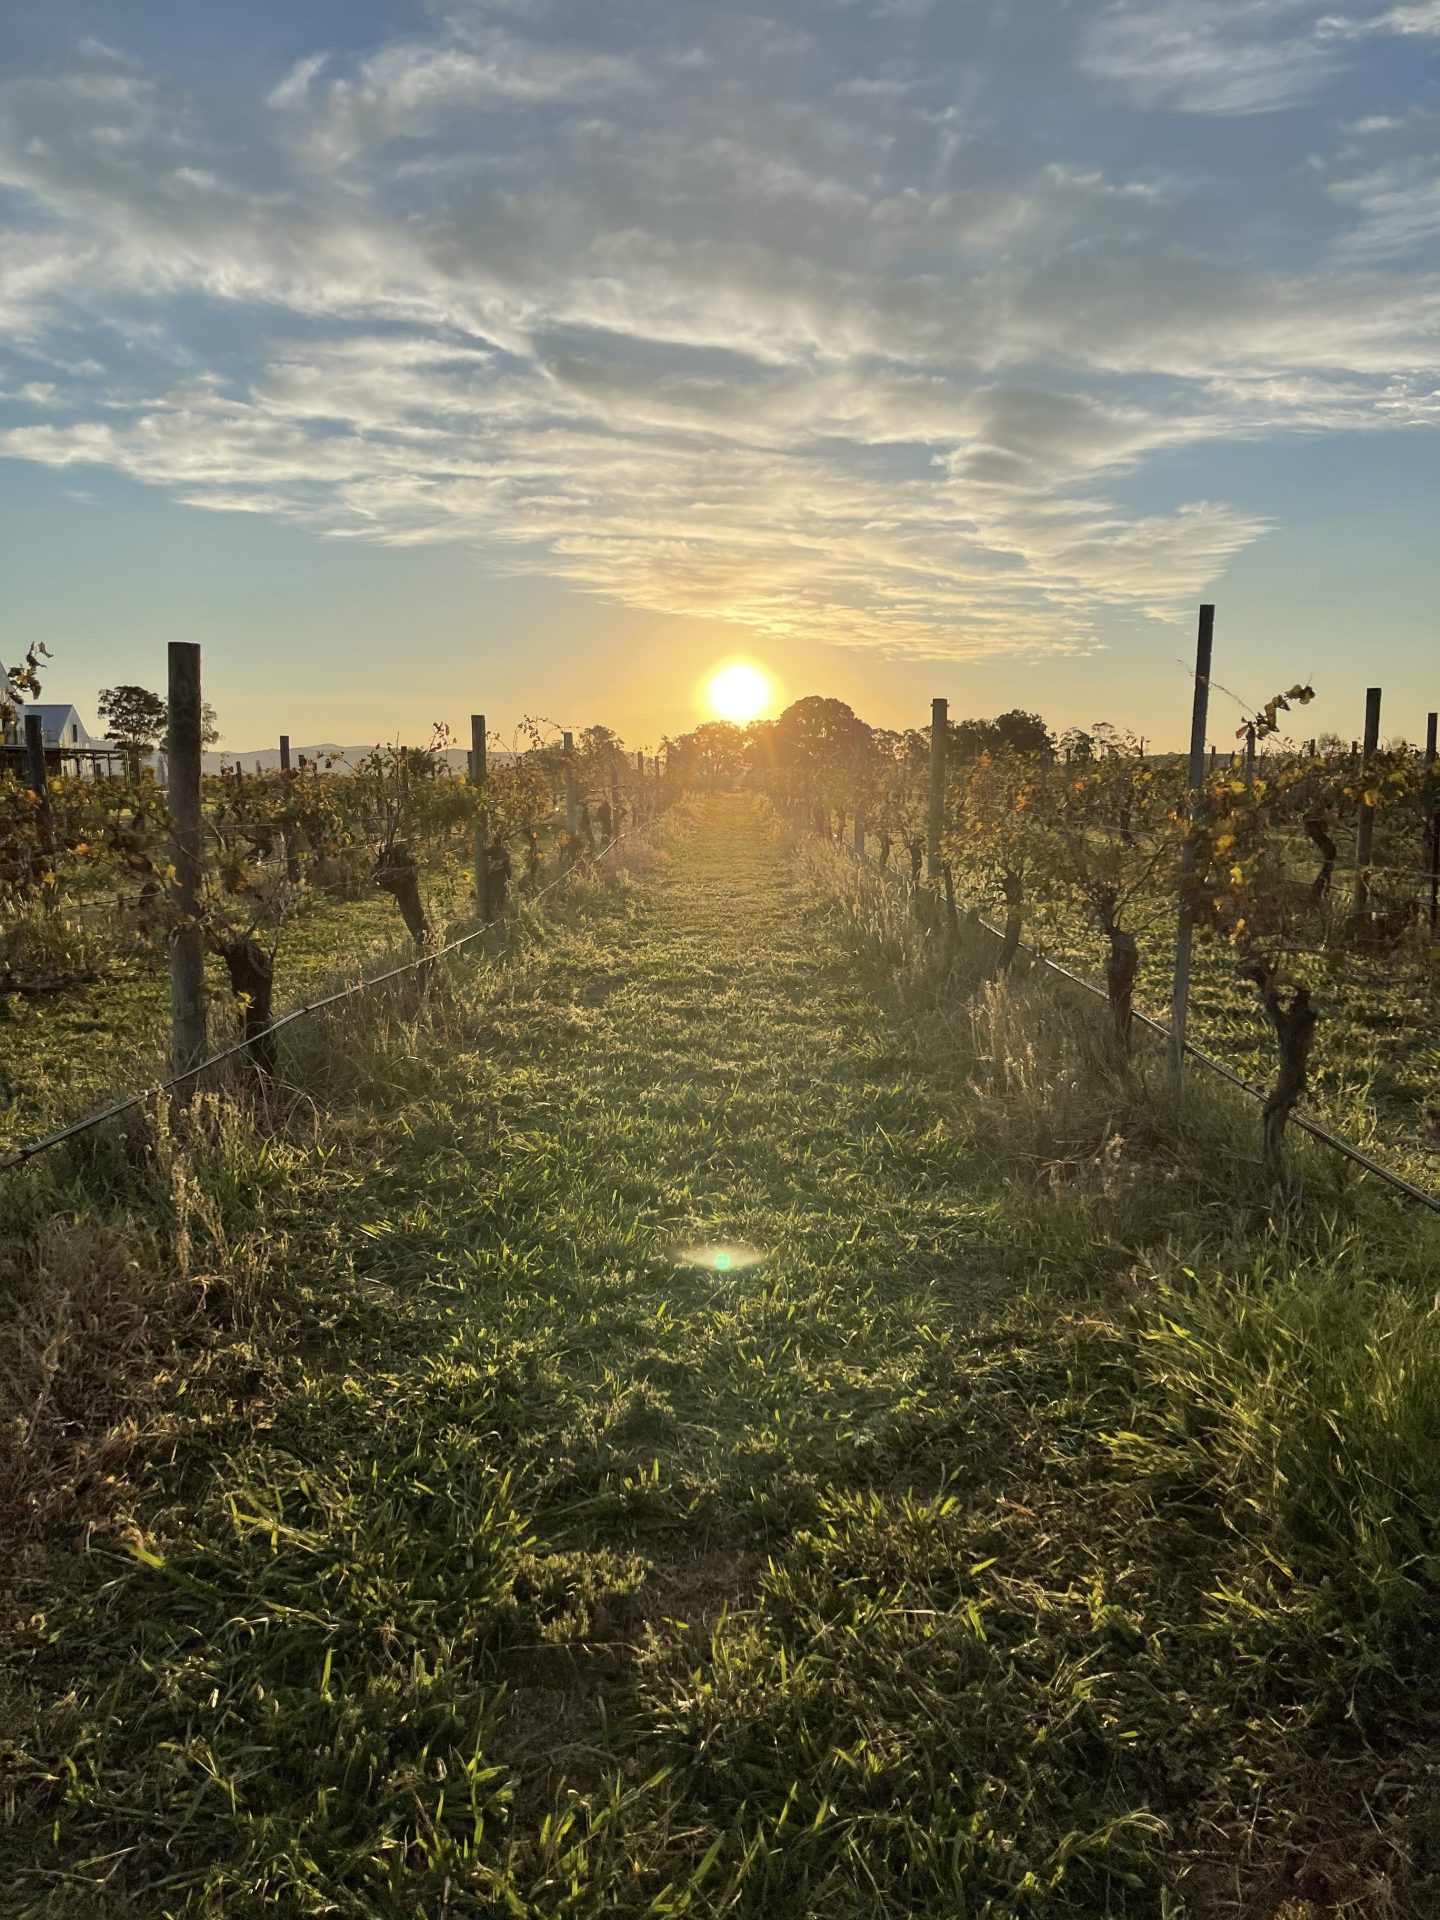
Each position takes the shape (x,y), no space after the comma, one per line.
(396,1527)
(1375,1071)
(69,1052)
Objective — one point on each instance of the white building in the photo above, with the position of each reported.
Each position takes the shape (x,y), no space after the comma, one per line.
(65,733)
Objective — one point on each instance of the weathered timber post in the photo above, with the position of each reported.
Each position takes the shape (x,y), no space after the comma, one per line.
(1250,755)
(614,802)
(39,784)
(572,799)
(1434,846)
(284,753)
(479,769)
(1365,830)
(939,740)
(1185,924)
(187,853)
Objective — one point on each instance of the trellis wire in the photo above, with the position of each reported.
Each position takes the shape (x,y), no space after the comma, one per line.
(1306,1125)
(18,1156)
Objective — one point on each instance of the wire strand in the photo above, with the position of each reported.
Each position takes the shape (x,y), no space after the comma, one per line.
(18,1156)
(1301,1120)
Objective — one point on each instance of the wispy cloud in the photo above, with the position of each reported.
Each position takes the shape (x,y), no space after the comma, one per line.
(1423,17)
(723,320)
(1209,56)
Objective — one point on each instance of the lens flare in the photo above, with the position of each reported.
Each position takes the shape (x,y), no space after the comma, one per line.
(739,692)
(726,1257)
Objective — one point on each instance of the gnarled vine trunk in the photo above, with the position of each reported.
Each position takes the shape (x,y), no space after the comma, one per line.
(497,861)
(1012,891)
(952,915)
(1315,830)
(1121,966)
(252,979)
(579,848)
(397,874)
(1294,1027)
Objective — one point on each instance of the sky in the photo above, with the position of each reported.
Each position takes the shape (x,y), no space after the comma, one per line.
(532,358)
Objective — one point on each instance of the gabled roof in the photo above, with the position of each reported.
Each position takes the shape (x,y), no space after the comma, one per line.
(56,719)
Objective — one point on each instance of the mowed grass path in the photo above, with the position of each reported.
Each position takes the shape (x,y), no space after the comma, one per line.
(487,1561)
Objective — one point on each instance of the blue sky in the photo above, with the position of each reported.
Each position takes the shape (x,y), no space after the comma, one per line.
(535,356)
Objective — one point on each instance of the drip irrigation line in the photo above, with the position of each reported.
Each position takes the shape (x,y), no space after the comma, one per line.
(18,1156)
(1301,1120)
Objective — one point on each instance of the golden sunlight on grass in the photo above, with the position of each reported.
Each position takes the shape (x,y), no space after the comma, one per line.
(739,691)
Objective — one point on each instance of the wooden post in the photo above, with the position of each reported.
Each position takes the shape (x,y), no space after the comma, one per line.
(859,836)
(479,768)
(939,740)
(1365,829)
(615,801)
(1430,720)
(38,782)
(572,799)
(1250,756)
(284,753)
(187,853)
(1212,759)
(1185,925)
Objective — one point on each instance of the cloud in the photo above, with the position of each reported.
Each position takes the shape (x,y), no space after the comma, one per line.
(410,91)
(774,339)
(1209,56)
(1406,21)
(294,90)
(1398,207)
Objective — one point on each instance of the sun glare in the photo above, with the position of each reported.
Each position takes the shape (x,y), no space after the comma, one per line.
(739,692)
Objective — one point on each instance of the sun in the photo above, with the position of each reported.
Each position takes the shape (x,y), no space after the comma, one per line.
(739,692)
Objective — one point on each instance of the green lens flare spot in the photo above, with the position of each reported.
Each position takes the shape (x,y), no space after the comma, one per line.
(727,1257)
